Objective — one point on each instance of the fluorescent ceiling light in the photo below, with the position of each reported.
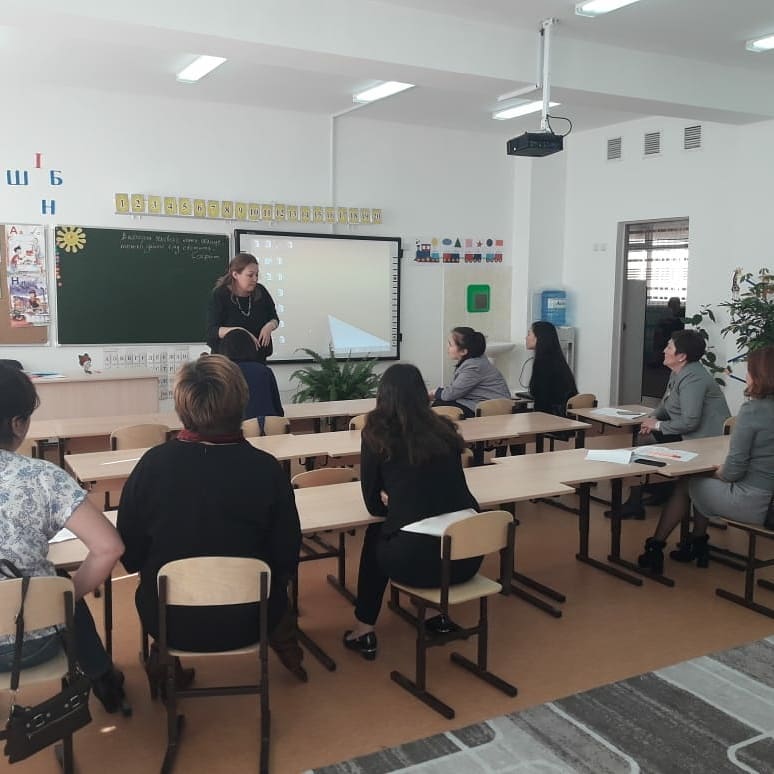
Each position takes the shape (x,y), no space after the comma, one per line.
(386,89)
(760,44)
(598,7)
(199,68)
(522,110)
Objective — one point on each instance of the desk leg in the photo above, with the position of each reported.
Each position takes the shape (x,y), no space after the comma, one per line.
(61,443)
(584,495)
(615,538)
(478,453)
(635,433)
(108,602)
(317,424)
(303,637)
(339,581)
(580,439)
(539,443)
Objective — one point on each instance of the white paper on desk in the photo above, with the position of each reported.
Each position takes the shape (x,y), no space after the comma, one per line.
(620,456)
(619,413)
(62,535)
(663,454)
(436,525)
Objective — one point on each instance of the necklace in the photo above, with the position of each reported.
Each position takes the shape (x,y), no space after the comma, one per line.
(236,301)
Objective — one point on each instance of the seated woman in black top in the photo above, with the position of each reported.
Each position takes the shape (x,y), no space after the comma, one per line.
(410,469)
(239,301)
(552,383)
(264,398)
(210,493)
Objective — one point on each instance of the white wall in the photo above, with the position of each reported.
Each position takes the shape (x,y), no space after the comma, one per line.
(426,180)
(720,188)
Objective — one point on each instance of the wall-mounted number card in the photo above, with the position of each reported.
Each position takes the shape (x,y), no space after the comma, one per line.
(199,208)
(185,205)
(154,205)
(376,216)
(354,215)
(279,212)
(122,203)
(267,212)
(330,214)
(319,215)
(213,208)
(240,210)
(343,216)
(138,203)
(292,212)
(170,205)
(253,211)
(365,214)
(306,214)
(227,209)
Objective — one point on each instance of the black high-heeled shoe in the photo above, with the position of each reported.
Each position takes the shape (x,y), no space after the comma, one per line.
(365,645)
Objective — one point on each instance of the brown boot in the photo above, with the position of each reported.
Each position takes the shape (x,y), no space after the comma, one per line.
(283,640)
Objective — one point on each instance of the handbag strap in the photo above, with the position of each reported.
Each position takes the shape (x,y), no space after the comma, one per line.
(17,648)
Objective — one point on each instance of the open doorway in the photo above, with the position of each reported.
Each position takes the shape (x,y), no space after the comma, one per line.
(655,286)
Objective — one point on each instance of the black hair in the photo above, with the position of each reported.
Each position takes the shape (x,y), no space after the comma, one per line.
(239,345)
(403,426)
(689,343)
(472,340)
(18,399)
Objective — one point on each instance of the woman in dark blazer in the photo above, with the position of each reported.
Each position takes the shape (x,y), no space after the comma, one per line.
(410,469)
(240,301)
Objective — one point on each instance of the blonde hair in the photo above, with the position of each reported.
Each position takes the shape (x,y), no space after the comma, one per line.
(211,395)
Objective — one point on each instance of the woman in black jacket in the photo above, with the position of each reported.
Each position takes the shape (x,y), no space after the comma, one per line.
(410,469)
(552,382)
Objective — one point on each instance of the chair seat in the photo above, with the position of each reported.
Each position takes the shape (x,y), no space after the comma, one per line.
(237,652)
(478,586)
(50,670)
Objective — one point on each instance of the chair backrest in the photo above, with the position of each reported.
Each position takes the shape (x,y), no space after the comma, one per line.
(728,425)
(582,400)
(276,425)
(466,457)
(214,580)
(357,423)
(44,606)
(138,436)
(322,477)
(495,407)
(251,428)
(27,448)
(478,535)
(452,412)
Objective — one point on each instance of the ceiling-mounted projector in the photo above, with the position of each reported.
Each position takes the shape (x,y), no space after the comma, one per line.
(535,144)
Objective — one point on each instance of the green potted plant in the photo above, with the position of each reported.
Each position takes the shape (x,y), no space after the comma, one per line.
(329,378)
(751,318)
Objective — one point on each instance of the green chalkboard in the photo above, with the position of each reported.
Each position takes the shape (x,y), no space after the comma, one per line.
(121,286)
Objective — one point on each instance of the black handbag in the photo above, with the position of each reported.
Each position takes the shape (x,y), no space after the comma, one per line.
(30,729)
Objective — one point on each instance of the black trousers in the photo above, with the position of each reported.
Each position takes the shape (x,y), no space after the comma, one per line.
(406,557)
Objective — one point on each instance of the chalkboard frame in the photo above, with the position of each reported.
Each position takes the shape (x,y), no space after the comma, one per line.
(356,237)
(165,292)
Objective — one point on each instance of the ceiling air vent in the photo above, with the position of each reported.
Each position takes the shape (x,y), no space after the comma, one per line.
(692,137)
(613,148)
(652,143)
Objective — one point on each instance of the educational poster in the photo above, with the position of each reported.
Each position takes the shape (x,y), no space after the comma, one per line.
(25,251)
(459,250)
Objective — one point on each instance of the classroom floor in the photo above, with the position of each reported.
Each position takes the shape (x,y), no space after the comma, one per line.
(610,630)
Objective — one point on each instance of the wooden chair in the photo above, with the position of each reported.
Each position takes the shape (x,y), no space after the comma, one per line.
(135,437)
(482,533)
(497,407)
(357,423)
(467,458)
(28,448)
(49,602)
(452,412)
(271,426)
(214,580)
(582,400)
(752,563)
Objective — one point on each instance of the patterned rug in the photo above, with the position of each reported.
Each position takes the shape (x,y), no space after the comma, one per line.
(710,715)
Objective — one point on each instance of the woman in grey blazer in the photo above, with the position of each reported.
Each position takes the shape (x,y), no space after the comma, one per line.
(742,487)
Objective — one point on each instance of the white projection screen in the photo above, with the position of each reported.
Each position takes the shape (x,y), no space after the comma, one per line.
(341,292)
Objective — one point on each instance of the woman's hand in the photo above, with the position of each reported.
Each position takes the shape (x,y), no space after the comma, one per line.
(718,472)
(648,425)
(431,394)
(384,497)
(264,336)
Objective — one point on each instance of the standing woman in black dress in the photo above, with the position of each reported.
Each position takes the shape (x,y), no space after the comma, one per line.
(240,301)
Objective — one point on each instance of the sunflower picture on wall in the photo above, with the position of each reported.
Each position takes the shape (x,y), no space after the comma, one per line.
(71,239)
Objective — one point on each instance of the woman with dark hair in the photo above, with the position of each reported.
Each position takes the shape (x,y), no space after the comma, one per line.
(37,500)
(209,492)
(264,398)
(552,383)
(741,487)
(240,301)
(475,378)
(410,469)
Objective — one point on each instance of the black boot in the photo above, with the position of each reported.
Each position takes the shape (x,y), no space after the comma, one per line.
(653,558)
(109,689)
(692,548)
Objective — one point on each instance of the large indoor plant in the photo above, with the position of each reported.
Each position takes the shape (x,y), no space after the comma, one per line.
(329,378)
(750,318)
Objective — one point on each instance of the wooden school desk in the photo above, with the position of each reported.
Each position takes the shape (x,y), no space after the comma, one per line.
(97,394)
(572,468)
(621,421)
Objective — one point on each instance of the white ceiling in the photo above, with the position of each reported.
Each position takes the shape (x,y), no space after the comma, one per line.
(684,58)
